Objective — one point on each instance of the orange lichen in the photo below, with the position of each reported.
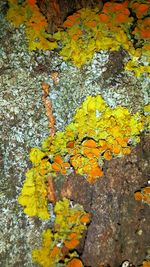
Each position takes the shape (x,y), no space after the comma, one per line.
(58,243)
(75,263)
(72,243)
(107,155)
(103,17)
(140,9)
(121,17)
(89,143)
(138,196)
(94,173)
(31,2)
(116,149)
(145,263)
(85,218)
(59,165)
(92,152)
(143,195)
(91,24)
(55,252)
(70,144)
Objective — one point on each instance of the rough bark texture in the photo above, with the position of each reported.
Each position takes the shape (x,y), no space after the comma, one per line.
(56,11)
(119,226)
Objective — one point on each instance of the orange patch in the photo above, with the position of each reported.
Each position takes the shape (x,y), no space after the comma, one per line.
(147,190)
(76,161)
(31,2)
(58,159)
(103,17)
(116,149)
(126,11)
(107,155)
(138,196)
(90,153)
(54,76)
(93,162)
(75,263)
(146,21)
(59,165)
(91,24)
(87,153)
(70,144)
(142,8)
(55,252)
(122,141)
(95,152)
(145,33)
(85,218)
(71,244)
(146,263)
(121,17)
(91,179)
(96,172)
(75,37)
(68,23)
(117,6)
(89,143)
(72,18)
(56,167)
(45,88)
(73,236)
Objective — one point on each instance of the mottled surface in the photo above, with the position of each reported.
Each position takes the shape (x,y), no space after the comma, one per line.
(119,227)
(24,125)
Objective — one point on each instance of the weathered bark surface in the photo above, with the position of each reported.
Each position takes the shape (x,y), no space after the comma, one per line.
(56,11)
(119,226)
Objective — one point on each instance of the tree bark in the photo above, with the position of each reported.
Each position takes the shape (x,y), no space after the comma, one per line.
(118,229)
(56,11)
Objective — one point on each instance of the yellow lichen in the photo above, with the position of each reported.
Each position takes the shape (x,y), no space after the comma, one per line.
(35,23)
(97,133)
(69,225)
(34,193)
(89,30)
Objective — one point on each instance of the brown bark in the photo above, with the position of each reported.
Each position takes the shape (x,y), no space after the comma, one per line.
(51,10)
(56,11)
(118,230)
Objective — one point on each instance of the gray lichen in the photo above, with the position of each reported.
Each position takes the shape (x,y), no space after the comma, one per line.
(24,123)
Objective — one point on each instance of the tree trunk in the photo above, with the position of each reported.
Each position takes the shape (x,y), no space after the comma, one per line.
(118,228)
(56,11)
